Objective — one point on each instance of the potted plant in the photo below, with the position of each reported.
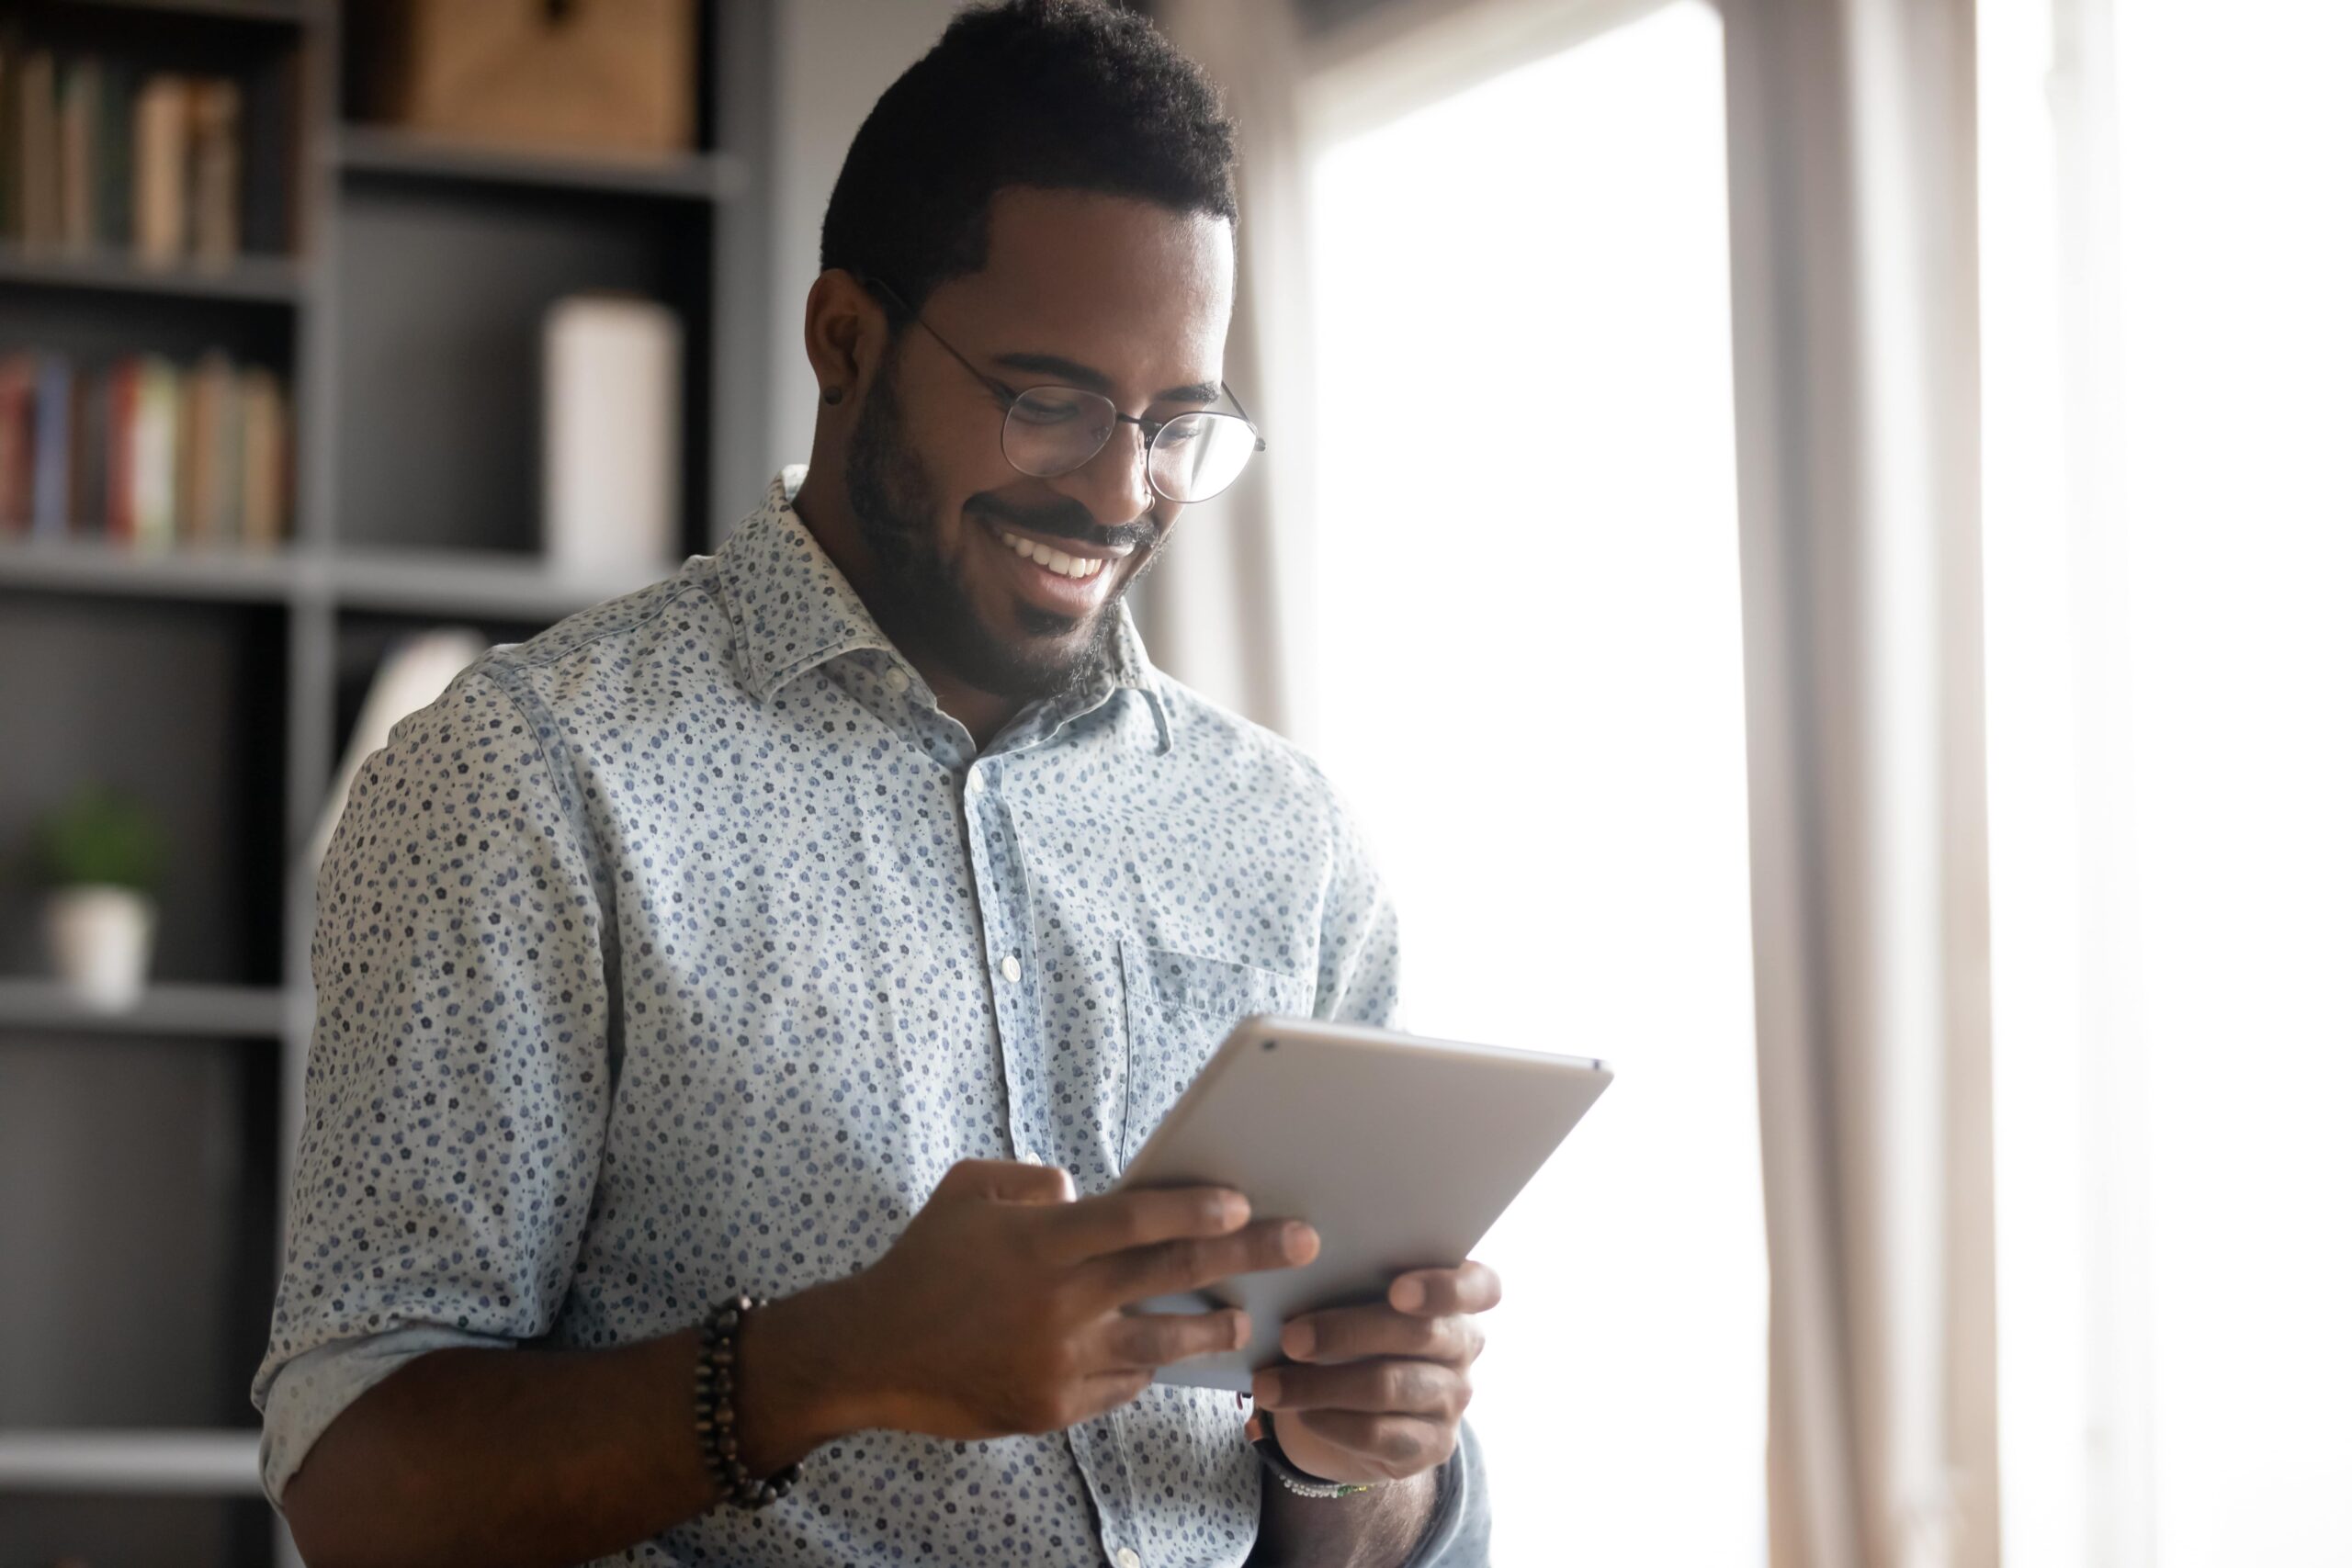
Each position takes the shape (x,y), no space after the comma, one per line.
(100,855)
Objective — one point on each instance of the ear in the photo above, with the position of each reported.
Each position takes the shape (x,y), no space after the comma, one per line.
(847,334)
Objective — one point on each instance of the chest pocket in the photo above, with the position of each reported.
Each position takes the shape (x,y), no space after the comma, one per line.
(1180,1006)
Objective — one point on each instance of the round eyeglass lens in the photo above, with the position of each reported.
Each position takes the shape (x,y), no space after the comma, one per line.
(1195,455)
(1051,429)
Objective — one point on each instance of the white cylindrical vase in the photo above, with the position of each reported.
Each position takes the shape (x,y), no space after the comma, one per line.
(610,478)
(99,943)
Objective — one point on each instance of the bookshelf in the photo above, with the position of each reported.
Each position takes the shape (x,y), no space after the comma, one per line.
(397,289)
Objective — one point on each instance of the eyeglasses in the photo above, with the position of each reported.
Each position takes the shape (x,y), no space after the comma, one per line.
(1051,431)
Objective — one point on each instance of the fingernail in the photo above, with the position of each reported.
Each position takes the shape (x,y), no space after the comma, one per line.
(1299,1341)
(1298,1242)
(1410,1294)
(1266,1389)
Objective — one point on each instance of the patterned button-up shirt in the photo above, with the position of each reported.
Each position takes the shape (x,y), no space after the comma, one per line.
(682,949)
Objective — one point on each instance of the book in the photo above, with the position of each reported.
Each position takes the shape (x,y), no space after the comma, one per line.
(154,455)
(213,115)
(267,473)
(122,453)
(17,371)
(52,443)
(11,203)
(40,220)
(159,214)
(77,136)
(213,461)
(85,507)
(111,155)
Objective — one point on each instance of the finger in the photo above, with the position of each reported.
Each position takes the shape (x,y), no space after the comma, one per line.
(1394,1384)
(1155,1339)
(1171,1267)
(1344,1334)
(1113,1222)
(1398,1446)
(1432,1292)
(1007,1180)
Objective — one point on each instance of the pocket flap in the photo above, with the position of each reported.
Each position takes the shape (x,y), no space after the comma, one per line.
(1221,987)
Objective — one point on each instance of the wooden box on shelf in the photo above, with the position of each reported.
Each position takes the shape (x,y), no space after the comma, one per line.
(611,77)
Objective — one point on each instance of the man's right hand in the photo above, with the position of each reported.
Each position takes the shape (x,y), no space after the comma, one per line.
(1000,1310)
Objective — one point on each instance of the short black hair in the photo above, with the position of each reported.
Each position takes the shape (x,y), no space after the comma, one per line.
(1059,95)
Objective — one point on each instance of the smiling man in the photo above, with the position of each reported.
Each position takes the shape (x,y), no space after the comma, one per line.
(736,1003)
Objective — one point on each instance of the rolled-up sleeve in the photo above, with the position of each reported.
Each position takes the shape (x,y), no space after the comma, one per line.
(1461,1525)
(458,1087)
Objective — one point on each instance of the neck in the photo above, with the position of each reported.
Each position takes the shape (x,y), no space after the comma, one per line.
(822,503)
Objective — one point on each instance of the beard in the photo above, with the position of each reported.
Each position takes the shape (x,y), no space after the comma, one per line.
(921,603)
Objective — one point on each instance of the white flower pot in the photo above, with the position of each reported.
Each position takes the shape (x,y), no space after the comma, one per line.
(99,941)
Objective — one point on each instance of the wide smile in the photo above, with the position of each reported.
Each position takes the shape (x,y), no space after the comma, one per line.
(1056,574)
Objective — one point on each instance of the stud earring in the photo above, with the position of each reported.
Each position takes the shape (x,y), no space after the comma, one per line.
(833,396)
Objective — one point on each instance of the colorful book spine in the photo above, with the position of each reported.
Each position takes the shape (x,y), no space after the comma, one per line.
(122,453)
(16,373)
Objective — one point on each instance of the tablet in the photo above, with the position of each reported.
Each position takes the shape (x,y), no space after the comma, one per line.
(1402,1152)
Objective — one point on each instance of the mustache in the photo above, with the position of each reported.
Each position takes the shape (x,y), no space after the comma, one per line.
(1072,522)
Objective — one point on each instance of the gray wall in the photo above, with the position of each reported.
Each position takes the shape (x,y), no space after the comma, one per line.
(835,58)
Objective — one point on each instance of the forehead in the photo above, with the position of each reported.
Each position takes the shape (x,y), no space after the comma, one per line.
(1130,287)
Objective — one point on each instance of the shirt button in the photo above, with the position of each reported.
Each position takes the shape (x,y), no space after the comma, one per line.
(1127,1558)
(897,679)
(1011,967)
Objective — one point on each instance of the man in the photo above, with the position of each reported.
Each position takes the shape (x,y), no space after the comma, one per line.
(827,926)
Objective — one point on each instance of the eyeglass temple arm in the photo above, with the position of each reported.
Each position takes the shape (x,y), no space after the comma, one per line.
(1245,416)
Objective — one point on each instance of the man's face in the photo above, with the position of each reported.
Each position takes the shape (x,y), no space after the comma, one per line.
(1098,292)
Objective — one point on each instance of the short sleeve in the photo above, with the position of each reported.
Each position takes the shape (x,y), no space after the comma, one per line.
(457,1086)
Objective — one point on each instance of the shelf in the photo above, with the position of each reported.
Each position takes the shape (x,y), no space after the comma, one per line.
(256,1012)
(454,583)
(215,1463)
(288,13)
(510,587)
(698,177)
(253,279)
(88,566)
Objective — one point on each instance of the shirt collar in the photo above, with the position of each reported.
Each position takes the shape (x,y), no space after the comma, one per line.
(793,611)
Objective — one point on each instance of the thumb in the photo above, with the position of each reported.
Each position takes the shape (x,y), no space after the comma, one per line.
(1007,1181)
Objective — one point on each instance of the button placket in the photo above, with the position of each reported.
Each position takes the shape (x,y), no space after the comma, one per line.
(1004,926)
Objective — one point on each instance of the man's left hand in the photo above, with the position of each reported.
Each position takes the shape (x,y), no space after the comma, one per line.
(1377,1392)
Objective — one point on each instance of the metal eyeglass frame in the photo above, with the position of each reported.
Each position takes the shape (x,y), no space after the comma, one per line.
(1007,395)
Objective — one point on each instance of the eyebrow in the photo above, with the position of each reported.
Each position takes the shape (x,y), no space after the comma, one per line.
(1093,380)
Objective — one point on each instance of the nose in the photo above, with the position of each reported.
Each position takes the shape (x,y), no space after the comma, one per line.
(1111,484)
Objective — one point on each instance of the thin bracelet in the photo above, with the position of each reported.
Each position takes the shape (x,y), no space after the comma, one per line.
(715,1409)
(1270,1450)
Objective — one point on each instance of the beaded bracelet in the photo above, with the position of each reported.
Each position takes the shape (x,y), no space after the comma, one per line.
(715,1409)
(1269,1451)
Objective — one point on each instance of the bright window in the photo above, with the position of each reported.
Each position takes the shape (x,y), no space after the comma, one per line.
(2169,563)
(1527,653)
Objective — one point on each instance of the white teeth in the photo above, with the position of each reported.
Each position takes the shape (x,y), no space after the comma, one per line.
(1076,567)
